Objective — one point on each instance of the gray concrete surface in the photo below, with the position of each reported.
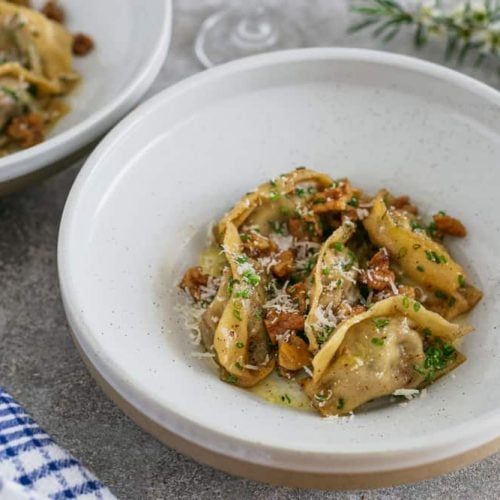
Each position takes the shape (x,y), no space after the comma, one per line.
(40,366)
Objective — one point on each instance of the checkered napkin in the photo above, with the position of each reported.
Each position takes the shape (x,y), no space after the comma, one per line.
(32,466)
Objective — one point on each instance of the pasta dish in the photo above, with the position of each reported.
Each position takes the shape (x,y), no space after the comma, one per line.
(352,296)
(36,58)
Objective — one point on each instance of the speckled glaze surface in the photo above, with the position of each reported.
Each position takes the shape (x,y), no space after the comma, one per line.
(41,367)
(378,119)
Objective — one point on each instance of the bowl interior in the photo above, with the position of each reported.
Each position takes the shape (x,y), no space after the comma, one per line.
(140,210)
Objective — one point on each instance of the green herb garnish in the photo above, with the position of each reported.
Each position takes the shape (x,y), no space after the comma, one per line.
(378,342)
(381,322)
(420,268)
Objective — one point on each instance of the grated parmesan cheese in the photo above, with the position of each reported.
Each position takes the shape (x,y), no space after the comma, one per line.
(407,393)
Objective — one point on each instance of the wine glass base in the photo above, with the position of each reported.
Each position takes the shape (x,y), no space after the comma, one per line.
(223,36)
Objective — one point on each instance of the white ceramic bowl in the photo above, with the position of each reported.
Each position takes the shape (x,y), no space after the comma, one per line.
(132,39)
(137,216)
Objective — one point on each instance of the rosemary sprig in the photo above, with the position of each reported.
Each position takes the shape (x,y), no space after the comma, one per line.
(471,27)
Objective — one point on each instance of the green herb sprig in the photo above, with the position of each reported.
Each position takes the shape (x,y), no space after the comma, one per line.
(473,27)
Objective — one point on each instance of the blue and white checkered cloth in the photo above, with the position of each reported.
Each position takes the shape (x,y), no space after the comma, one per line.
(33,466)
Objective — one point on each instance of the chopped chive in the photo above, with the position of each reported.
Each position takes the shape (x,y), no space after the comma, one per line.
(381,322)
(416,306)
(461,281)
(231,379)
(240,345)
(354,202)
(406,302)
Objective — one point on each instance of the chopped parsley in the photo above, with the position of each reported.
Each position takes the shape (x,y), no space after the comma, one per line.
(438,355)
(11,93)
(440,294)
(241,259)
(300,191)
(230,285)
(416,306)
(432,229)
(435,257)
(277,227)
(237,364)
(274,195)
(353,202)
(243,294)
(244,237)
(427,332)
(237,309)
(381,322)
(250,277)
(324,335)
(231,379)
(337,246)
(284,211)
(240,345)
(377,341)
(414,225)
(420,268)
(451,301)
(325,271)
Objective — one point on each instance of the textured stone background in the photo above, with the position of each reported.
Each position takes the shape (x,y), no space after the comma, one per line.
(40,366)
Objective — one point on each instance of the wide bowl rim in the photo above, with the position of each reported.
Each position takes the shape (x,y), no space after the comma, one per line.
(412,452)
(78,136)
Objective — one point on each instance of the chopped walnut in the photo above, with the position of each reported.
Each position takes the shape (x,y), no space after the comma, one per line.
(278,323)
(404,203)
(257,245)
(298,293)
(26,130)
(379,275)
(333,199)
(284,264)
(193,280)
(82,44)
(293,354)
(306,229)
(53,11)
(449,225)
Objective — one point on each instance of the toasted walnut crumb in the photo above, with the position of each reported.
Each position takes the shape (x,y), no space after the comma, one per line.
(449,225)
(193,280)
(284,264)
(379,275)
(53,11)
(293,354)
(26,130)
(404,203)
(277,323)
(82,44)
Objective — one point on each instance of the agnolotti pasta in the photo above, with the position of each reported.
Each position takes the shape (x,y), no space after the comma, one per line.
(349,295)
(36,70)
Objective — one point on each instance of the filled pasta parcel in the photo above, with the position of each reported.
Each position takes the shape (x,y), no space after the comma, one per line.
(349,295)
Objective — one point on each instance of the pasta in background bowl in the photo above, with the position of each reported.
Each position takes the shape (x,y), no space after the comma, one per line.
(138,216)
(96,90)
